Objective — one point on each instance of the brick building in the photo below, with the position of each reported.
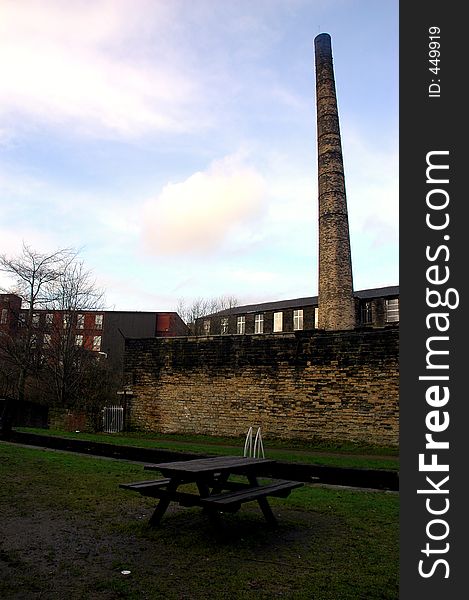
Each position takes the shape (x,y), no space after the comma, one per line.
(10,308)
(99,331)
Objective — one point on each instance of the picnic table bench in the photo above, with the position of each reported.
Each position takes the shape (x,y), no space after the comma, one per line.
(216,493)
(231,501)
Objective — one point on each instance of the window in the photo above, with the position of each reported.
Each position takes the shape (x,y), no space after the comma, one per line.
(224,325)
(22,319)
(47,339)
(97,343)
(80,321)
(298,319)
(316,317)
(3,318)
(49,318)
(36,318)
(392,310)
(259,324)
(79,340)
(66,321)
(278,321)
(206,327)
(366,315)
(241,325)
(98,321)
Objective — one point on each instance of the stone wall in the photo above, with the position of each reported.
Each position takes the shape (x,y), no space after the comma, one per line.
(305,385)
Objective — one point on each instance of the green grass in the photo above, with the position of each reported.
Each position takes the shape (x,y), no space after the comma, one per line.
(344,454)
(64,514)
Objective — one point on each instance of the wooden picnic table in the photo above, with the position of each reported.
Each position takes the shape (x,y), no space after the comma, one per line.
(216,492)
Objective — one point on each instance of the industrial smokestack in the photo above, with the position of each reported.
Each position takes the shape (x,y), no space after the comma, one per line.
(335,297)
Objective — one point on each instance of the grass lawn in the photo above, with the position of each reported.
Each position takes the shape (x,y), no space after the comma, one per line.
(67,532)
(345,454)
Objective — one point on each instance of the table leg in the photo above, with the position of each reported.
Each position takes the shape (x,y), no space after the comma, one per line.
(204,491)
(267,511)
(263,503)
(163,504)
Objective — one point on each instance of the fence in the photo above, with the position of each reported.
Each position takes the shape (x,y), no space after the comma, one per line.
(113,419)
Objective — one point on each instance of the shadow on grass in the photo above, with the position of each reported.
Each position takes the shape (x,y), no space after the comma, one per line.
(307,555)
(68,532)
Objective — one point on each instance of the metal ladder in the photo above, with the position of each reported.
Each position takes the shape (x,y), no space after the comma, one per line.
(256,450)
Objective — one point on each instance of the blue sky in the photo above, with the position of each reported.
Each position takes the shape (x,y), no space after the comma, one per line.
(174,142)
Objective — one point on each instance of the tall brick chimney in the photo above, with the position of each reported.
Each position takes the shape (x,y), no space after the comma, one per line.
(336,303)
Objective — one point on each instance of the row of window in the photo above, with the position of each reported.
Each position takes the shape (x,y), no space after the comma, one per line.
(96,346)
(258,323)
(47,338)
(391,316)
(79,340)
(49,319)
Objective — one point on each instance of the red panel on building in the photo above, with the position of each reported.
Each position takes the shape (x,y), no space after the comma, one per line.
(163,322)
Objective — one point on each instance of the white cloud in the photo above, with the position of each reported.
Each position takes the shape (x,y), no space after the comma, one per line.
(84,65)
(198,214)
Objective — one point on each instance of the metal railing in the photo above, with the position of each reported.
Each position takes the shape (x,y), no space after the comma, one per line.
(255,450)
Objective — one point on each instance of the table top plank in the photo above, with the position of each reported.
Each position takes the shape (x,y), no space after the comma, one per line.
(210,465)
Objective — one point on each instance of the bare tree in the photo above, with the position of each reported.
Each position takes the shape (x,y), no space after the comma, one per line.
(47,351)
(67,362)
(100,383)
(191,311)
(34,275)
(227,303)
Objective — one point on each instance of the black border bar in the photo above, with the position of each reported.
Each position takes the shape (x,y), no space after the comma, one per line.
(433,281)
